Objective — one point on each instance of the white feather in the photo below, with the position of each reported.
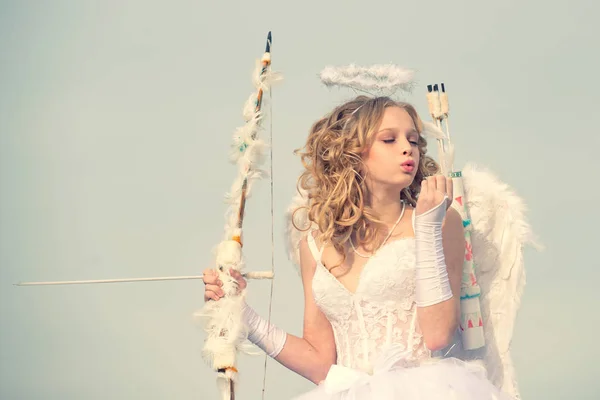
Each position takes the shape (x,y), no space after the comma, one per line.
(255,153)
(249,107)
(297,214)
(236,189)
(267,80)
(229,254)
(445,146)
(244,138)
(448,157)
(223,326)
(431,130)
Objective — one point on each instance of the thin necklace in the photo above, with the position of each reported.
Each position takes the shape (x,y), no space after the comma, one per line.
(387,237)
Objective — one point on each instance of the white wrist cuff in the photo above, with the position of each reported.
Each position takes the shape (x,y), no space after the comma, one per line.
(432,283)
(262,333)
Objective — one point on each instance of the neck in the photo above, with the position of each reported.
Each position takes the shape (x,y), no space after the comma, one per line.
(387,206)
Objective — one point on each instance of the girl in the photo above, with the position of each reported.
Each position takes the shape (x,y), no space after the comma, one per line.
(382,272)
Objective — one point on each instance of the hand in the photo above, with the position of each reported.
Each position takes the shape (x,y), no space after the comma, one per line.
(213,284)
(433,190)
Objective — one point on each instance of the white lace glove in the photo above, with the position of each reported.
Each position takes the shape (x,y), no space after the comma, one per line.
(265,335)
(432,283)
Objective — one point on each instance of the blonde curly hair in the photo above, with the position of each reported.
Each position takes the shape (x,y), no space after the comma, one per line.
(334,175)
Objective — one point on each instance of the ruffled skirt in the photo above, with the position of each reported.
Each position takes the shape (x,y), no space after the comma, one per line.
(393,377)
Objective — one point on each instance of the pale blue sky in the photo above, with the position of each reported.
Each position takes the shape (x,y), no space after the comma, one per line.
(115,122)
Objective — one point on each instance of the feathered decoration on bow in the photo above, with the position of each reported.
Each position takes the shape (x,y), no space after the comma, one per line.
(226,333)
(248,153)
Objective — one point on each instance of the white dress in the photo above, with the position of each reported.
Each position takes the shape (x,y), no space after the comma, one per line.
(380,350)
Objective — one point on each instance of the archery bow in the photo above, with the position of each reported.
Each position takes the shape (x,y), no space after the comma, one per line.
(225,330)
(226,333)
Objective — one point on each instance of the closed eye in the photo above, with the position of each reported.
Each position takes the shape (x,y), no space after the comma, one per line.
(389,140)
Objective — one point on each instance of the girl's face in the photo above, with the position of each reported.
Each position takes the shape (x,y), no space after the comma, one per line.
(393,158)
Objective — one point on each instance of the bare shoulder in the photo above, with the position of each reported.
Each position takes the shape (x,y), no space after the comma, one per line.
(329,256)
(307,261)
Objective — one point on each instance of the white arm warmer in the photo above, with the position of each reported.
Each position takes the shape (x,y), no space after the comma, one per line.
(432,283)
(263,334)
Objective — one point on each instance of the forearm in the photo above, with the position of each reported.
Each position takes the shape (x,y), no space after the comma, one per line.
(293,352)
(300,356)
(438,323)
(437,310)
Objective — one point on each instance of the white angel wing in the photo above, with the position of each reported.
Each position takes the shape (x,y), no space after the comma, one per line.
(499,234)
(297,226)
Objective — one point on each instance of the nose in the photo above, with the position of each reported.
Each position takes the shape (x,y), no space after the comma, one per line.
(407,151)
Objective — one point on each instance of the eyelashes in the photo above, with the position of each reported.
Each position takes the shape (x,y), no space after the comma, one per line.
(390,141)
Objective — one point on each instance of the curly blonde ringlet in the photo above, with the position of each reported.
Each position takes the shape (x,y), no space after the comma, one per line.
(334,175)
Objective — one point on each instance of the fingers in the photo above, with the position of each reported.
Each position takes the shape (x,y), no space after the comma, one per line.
(239,278)
(213,292)
(213,285)
(433,190)
(440,183)
(210,277)
(424,187)
(210,296)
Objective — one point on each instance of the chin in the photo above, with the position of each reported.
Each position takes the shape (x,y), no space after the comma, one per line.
(406,181)
(400,184)
(397,183)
